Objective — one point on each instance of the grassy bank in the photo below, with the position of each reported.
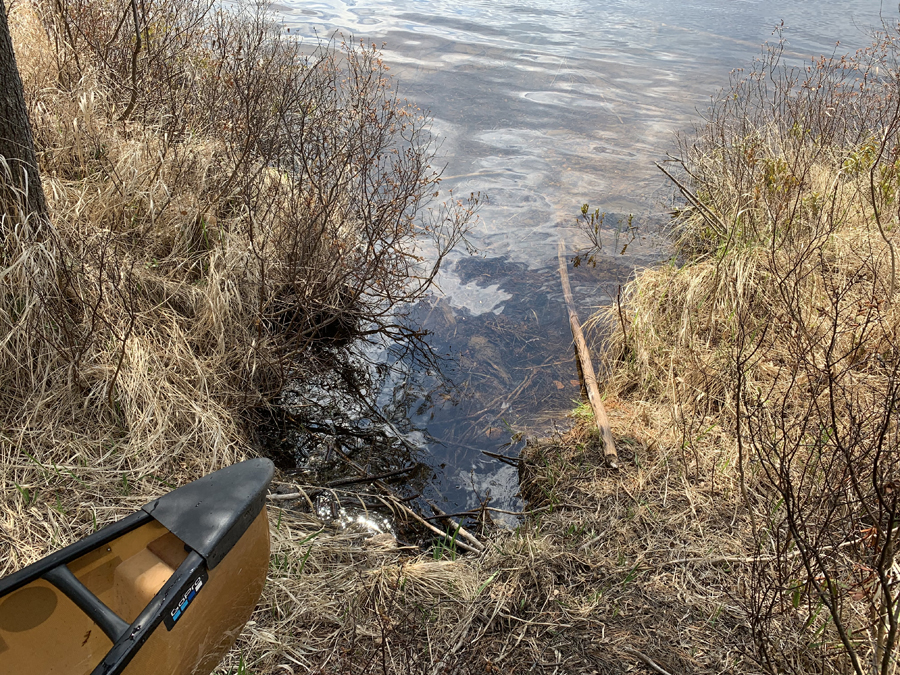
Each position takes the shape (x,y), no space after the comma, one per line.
(770,353)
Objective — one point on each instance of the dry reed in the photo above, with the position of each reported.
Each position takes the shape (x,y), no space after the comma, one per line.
(771,346)
(148,318)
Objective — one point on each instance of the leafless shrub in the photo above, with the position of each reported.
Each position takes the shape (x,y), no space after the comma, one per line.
(256,199)
(780,329)
(309,156)
(823,430)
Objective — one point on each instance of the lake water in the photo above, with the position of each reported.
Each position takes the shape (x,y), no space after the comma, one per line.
(545,105)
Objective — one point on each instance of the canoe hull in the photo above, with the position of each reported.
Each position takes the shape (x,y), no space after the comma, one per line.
(138,599)
(214,620)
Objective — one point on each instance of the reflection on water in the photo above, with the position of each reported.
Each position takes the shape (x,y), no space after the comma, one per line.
(543,105)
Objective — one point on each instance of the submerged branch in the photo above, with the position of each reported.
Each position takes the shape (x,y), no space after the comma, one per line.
(587,367)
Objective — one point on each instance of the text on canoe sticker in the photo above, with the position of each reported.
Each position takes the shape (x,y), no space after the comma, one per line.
(176,610)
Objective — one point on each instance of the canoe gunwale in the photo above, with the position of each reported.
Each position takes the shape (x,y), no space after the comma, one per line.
(66,555)
(125,648)
(208,516)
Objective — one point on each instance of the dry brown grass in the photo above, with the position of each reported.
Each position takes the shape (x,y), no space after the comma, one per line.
(770,348)
(181,273)
(175,283)
(647,548)
(611,566)
(118,370)
(144,321)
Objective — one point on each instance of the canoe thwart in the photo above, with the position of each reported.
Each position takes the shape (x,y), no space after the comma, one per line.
(73,551)
(110,623)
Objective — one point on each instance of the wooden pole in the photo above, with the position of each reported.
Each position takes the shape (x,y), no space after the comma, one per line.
(587,367)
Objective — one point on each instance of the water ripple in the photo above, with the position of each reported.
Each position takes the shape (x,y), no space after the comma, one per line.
(546,105)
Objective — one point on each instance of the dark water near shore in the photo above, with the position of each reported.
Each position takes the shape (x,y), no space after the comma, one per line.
(544,106)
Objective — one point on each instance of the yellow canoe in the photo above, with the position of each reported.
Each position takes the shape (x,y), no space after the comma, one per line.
(164,591)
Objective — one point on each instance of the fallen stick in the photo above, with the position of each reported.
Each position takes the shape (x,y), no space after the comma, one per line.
(587,367)
(518,513)
(371,479)
(440,516)
(443,535)
(459,528)
(285,497)
(506,459)
(653,665)
(408,511)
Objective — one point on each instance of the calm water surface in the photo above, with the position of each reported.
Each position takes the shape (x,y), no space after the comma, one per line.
(545,105)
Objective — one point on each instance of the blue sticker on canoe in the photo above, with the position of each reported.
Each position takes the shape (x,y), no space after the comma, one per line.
(176,609)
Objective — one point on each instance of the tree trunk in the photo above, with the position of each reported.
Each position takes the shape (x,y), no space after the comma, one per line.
(16,141)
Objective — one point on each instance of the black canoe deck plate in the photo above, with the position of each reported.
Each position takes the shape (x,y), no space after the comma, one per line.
(212,513)
(182,600)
